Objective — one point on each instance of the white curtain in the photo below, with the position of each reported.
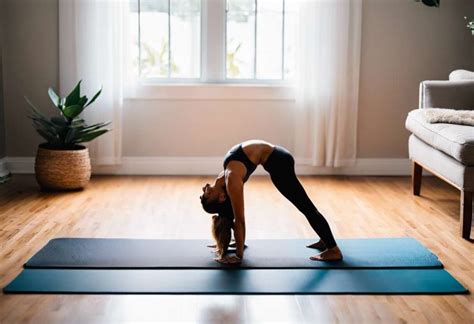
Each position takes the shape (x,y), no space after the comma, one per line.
(92,49)
(328,52)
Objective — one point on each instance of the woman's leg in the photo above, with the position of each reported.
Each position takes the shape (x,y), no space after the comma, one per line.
(281,167)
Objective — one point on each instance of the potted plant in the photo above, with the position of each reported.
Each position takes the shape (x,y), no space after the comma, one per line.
(61,162)
(470,24)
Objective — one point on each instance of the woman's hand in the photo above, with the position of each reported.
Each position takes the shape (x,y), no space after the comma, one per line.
(232,245)
(229,259)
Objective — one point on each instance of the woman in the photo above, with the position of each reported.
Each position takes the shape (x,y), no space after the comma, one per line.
(226,197)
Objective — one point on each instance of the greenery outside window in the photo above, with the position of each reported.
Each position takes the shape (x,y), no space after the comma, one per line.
(213,41)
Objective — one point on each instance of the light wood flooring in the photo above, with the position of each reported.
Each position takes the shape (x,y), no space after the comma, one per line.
(168,207)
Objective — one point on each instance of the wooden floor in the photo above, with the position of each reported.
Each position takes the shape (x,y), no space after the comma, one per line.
(168,207)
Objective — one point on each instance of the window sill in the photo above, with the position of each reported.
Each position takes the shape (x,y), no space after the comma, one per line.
(220,91)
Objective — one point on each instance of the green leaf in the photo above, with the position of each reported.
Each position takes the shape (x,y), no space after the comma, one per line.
(54,98)
(82,101)
(91,135)
(44,128)
(74,97)
(49,131)
(78,121)
(34,109)
(95,97)
(71,135)
(67,128)
(60,127)
(58,120)
(47,136)
(94,127)
(44,123)
(78,124)
(72,111)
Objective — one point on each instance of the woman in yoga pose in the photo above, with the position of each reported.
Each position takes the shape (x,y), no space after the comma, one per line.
(226,198)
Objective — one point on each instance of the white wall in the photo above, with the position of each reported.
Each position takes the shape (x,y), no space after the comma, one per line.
(403,42)
(30,67)
(2,121)
(202,127)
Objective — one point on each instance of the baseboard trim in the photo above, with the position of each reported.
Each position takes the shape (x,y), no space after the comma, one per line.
(212,165)
(4,173)
(3,168)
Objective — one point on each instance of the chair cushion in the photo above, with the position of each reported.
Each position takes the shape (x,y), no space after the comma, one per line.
(454,140)
(456,173)
(458,75)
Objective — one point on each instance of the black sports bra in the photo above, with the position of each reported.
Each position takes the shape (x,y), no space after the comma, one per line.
(237,153)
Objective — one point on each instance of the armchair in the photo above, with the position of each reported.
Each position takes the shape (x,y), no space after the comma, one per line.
(446,150)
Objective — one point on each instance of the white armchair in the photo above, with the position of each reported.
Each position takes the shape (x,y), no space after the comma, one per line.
(446,150)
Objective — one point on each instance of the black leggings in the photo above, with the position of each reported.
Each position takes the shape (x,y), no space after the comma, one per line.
(281,166)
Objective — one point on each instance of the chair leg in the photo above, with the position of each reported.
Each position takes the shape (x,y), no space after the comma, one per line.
(417,171)
(466,214)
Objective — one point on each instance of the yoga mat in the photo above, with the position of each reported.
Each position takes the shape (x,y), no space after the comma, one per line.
(262,281)
(91,253)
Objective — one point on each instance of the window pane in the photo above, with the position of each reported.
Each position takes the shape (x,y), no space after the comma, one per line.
(291,11)
(240,39)
(241,5)
(185,38)
(154,45)
(269,39)
(133,37)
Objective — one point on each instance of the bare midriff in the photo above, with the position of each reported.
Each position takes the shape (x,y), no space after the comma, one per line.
(257,151)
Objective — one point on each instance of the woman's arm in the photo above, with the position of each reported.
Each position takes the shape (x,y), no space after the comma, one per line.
(235,190)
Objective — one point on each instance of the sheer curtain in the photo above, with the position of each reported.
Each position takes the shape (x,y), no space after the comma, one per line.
(329,37)
(92,48)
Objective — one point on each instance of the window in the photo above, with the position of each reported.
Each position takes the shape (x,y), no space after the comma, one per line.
(167,44)
(260,39)
(248,41)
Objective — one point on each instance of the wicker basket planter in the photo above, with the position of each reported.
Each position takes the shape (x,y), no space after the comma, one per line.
(62,169)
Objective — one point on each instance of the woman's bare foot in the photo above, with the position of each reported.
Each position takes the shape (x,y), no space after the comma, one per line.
(332,254)
(319,245)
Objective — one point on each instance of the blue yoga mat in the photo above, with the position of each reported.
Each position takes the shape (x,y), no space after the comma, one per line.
(262,281)
(89,253)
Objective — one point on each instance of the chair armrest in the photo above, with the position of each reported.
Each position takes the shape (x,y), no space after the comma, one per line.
(447,94)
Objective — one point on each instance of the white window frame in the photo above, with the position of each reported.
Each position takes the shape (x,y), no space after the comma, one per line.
(213,83)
